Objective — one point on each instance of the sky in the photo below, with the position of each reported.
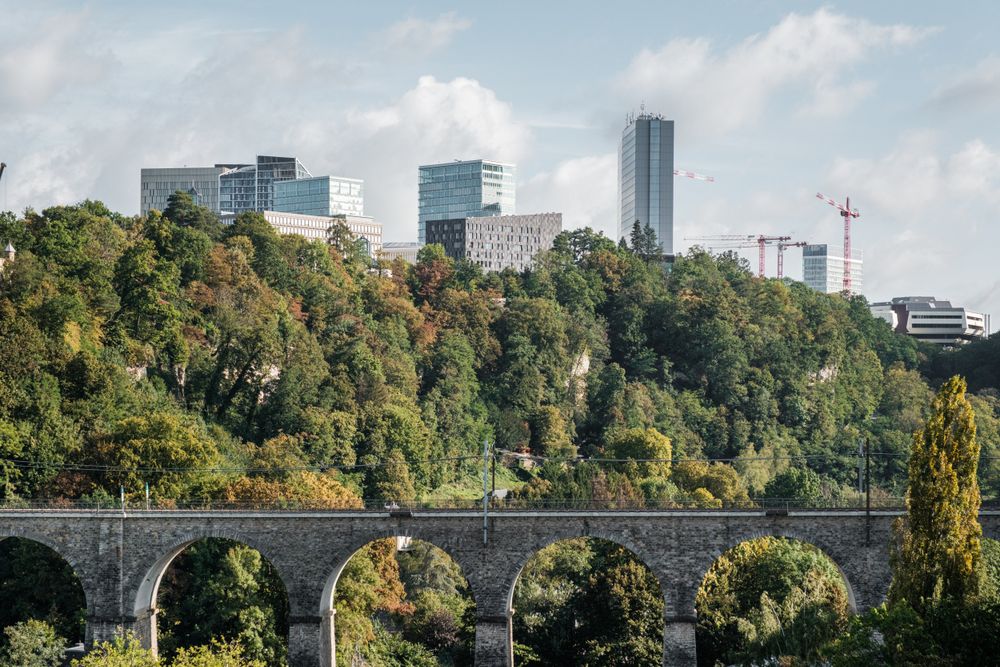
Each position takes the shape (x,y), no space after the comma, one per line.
(894,104)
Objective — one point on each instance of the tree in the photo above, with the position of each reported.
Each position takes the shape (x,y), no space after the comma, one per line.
(124,651)
(216,654)
(938,548)
(642,444)
(32,643)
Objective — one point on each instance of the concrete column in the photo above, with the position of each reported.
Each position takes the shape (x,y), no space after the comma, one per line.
(311,641)
(494,641)
(679,641)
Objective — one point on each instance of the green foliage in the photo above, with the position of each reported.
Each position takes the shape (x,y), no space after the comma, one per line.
(31,643)
(37,584)
(769,597)
(938,550)
(216,654)
(218,588)
(124,651)
(589,602)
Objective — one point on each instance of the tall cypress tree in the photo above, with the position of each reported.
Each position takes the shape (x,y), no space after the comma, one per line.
(937,551)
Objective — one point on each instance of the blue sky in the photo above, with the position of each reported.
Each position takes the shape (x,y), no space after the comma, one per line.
(892,103)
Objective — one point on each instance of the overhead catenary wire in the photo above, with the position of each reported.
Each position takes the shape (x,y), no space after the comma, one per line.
(343,466)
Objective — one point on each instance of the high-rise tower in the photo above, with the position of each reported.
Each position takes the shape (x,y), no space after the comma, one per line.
(646,177)
(462,189)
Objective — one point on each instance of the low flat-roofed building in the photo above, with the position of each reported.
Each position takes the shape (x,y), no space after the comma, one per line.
(496,242)
(314,227)
(930,320)
(407,250)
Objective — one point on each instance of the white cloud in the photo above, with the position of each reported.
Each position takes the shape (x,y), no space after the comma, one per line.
(583,189)
(929,217)
(977,89)
(420,36)
(52,54)
(714,91)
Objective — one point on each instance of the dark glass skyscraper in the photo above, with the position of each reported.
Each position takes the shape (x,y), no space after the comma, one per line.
(646,177)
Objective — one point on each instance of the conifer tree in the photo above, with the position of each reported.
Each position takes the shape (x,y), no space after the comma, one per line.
(937,551)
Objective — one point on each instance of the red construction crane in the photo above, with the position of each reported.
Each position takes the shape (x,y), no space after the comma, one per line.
(781,255)
(734,241)
(847,213)
(695,176)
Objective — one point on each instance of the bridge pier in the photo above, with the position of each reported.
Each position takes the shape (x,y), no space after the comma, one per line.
(679,641)
(311,641)
(494,641)
(100,629)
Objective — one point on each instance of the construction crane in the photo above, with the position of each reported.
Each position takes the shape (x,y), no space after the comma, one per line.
(781,255)
(734,241)
(847,213)
(694,175)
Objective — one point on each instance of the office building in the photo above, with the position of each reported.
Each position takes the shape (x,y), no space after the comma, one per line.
(927,319)
(271,170)
(646,178)
(496,242)
(406,249)
(157,184)
(823,268)
(320,195)
(463,189)
(314,227)
(229,187)
(238,188)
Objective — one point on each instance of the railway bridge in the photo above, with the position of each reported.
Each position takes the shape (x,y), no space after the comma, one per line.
(120,557)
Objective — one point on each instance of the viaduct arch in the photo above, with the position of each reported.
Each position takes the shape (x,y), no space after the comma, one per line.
(120,558)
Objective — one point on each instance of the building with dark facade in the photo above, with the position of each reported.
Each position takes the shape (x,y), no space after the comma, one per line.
(496,242)
(646,178)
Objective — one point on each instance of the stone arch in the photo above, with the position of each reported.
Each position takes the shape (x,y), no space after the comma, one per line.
(637,551)
(608,536)
(144,605)
(82,574)
(327,602)
(715,553)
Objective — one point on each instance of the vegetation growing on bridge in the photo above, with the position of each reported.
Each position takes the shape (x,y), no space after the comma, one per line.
(230,363)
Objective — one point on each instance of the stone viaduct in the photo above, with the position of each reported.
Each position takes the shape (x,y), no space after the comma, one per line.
(120,558)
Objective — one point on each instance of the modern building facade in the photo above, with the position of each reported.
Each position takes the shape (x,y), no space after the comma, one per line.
(228,187)
(314,227)
(320,195)
(464,189)
(823,269)
(238,188)
(272,169)
(646,177)
(496,242)
(157,184)
(406,249)
(927,319)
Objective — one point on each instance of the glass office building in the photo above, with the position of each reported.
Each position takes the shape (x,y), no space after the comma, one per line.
(271,169)
(646,178)
(823,270)
(463,189)
(157,184)
(238,188)
(320,195)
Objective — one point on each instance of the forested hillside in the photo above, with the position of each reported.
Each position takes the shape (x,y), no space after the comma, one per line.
(233,364)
